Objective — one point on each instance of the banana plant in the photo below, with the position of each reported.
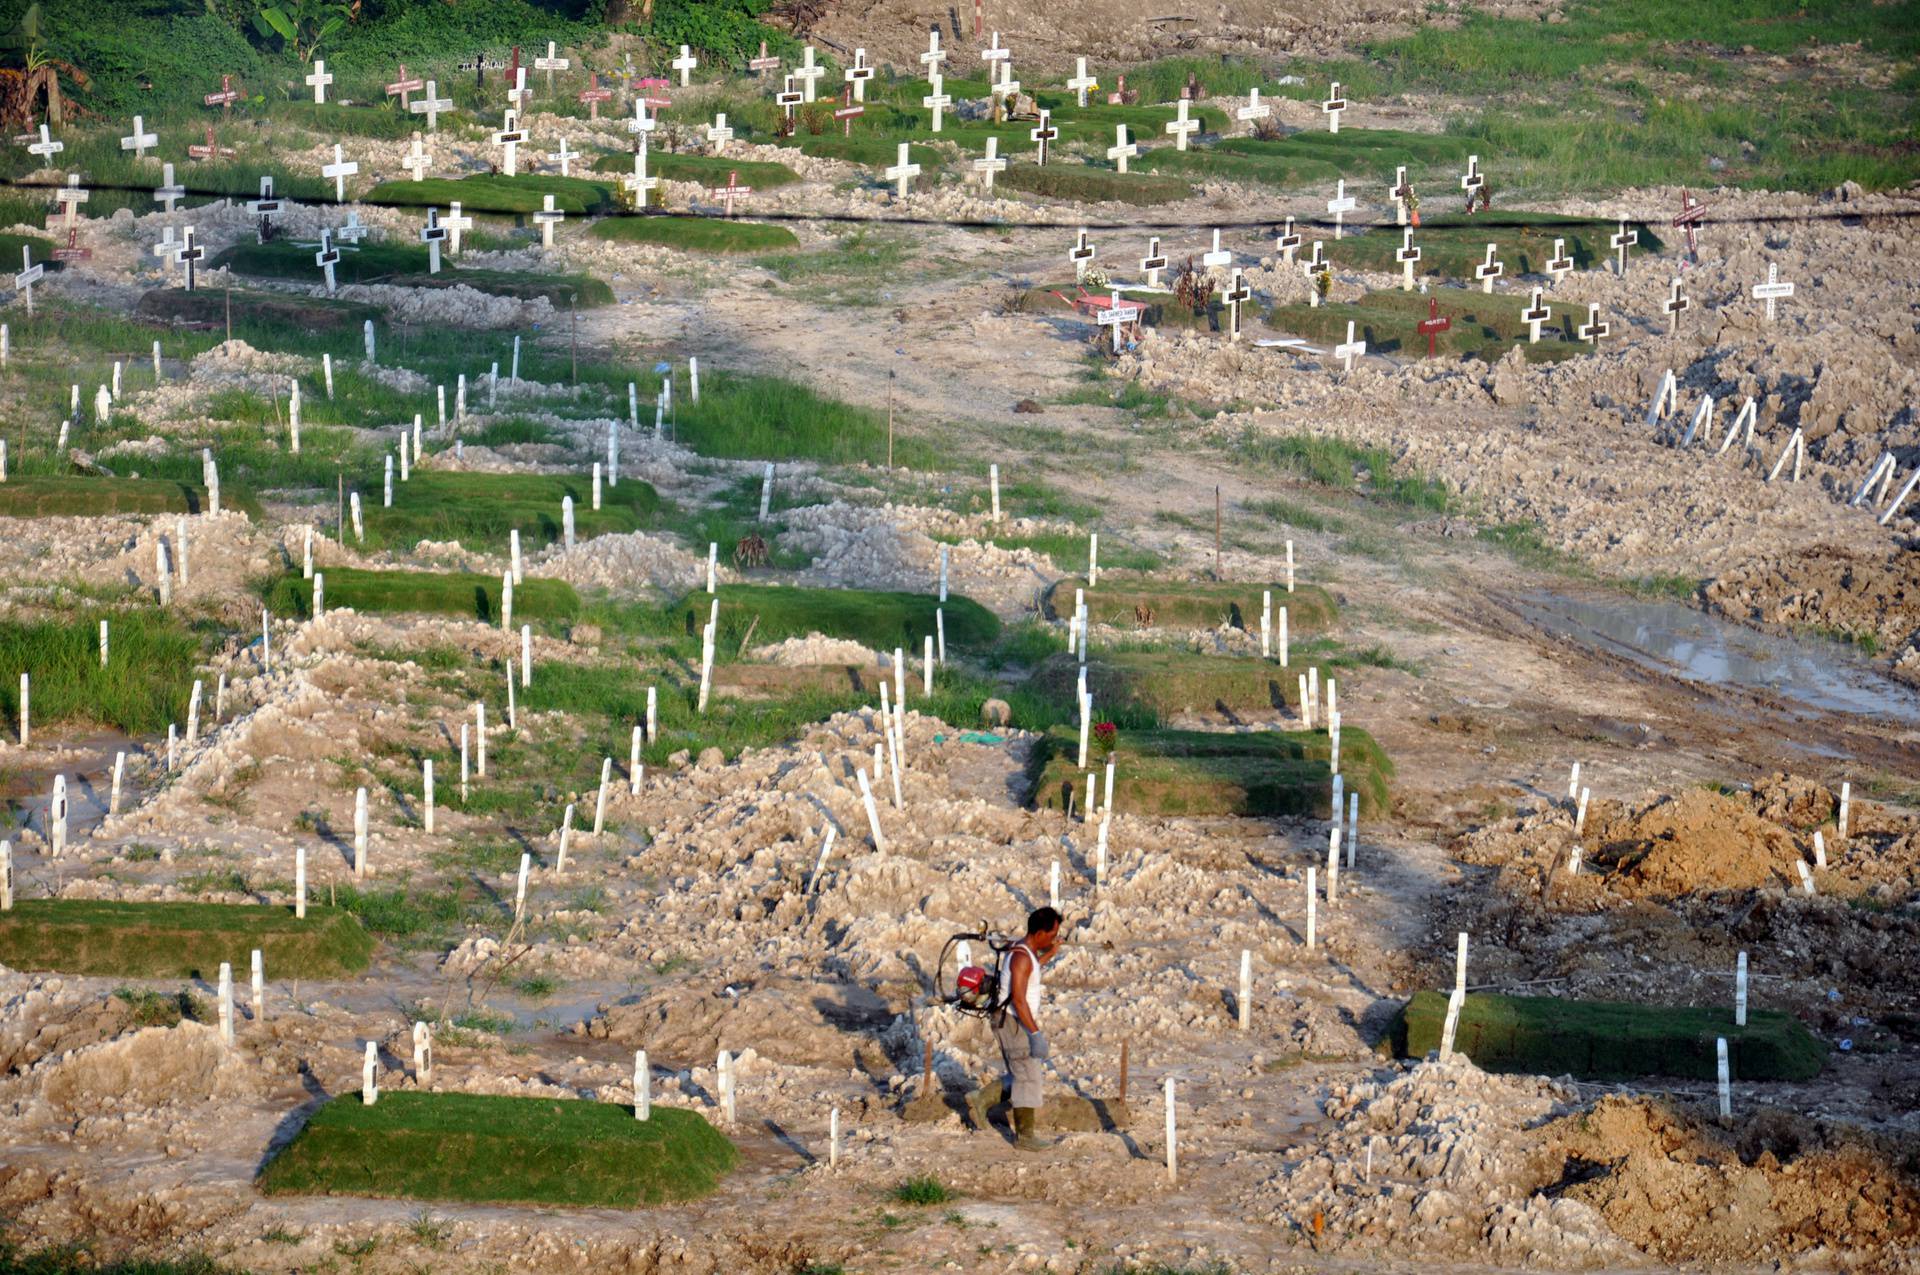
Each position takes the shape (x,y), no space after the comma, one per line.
(302,25)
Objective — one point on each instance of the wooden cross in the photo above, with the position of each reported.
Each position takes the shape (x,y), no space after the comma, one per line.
(685,64)
(456,223)
(340,169)
(551,63)
(1255,109)
(1122,150)
(764,63)
(1288,242)
(788,98)
(1772,291)
(718,134)
(593,95)
(1218,256)
(46,148)
(209,149)
(994,53)
(1350,349)
(1433,325)
(403,85)
(1340,205)
(167,247)
(1316,260)
(1180,126)
(433,234)
(519,95)
(167,193)
(1043,133)
(1559,264)
(225,98)
(1676,304)
(858,74)
(903,172)
(808,74)
(29,275)
(141,141)
(1402,193)
(1622,240)
(654,93)
(352,232)
(1080,254)
(1471,181)
(1595,327)
(264,207)
(71,197)
(319,79)
(548,218)
(1006,87)
(731,191)
(639,184)
(1081,82)
(190,256)
(1117,315)
(935,55)
(1235,296)
(642,122)
(938,100)
(565,157)
(1407,255)
(1489,270)
(1534,315)
(508,139)
(327,258)
(1154,262)
(417,160)
(1332,107)
(991,163)
(1688,220)
(431,106)
(848,111)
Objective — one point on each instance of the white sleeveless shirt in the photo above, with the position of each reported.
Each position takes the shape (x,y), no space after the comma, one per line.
(1033,978)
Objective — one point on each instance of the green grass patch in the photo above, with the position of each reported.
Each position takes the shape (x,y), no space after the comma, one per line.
(1607,1040)
(179,940)
(1068,551)
(1452,245)
(1344,466)
(746,417)
(499,194)
(1168,684)
(479,510)
(925,1189)
(1294,514)
(1312,157)
(458,593)
(145,685)
(1181,604)
(488,1148)
(879,620)
(1188,772)
(76,496)
(1087,184)
(406,266)
(1485,325)
(211,309)
(696,234)
(708,170)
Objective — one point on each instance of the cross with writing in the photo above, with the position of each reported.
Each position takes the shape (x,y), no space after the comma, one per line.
(643,121)
(1081,82)
(808,74)
(417,160)
(519,95)
(1340,205)
(1235,296)
(903,172)
(46,148)
(1154,262)
(718,134)
(1180,126)
(1489,270)
(190,256)
(1595,327)
(764,63)
(1080,254)
(1622,240)
(327,258)
(858,74)
(1559,265)
(548,219)
(1772,291)
(565,158)
(433,234)
(265,207)
(1218,256)
(319,80)
(788,98)
(168,193)
(1332,107)
(593,95)
(1402,193)
(352,232)
(340,169)
(1043,133)
(639,184)
(551,63)
(1433,325)
(508,139)
(1287,242)
(848,111)
(71,197)
(937,100)
(685,64)
(431,106)
(1407,255)
(731,191)
(1688,220)
(167,247)
(991,163)
(1122,150)
(1471,181)
(1254,110)
(1676,303)
(403,85)
(226,97)
(456,223)
(29,275)
(1534,315)
(209,149)
(1006,87)
(1117,315)
(935,55)
(1350,349)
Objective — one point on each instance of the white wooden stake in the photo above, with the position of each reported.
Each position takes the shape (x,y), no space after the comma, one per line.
(1726,1078)
(463,763)
(1580,813)
(1313,903)
(820,863)
(426,788)
(300,883)
(1740,991)
(119,774)
(1820,851)
(520,887)
(833,1138)
(993,484)
(642,1086)
(226,1003)
(423,1053)
(1053,885)
(1093,559)
(1846,801)
(873,813)
(713,564)
(653,700)
(600,802)
(360,833)
(369,1090)
(1173,1153)
(926,670)
(633,764)
(479,742)
(259,987)
(1246,989)
(193,712)
(940,633)
(526,655)
(1806,877)
(1333,866)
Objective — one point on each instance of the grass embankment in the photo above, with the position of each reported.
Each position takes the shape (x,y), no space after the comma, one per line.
(1485,325)
(487,1148)
(710,171)
(1339,465)
(1315,157)
(479,510)
(1068,550)
(407,266)
(1606,1040)
(1087,184)
(696,234)
(179,940)
(746,417)
(879,620)
(1175,683)
(1452,245)
(499,194)
(1130,602)
(1187,772)
(211,310)
(441,593)
(77,496)
(145,685)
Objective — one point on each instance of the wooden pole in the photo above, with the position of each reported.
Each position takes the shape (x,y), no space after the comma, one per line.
(1216,531)
(1123,1070)
(926,1073)
(573,338)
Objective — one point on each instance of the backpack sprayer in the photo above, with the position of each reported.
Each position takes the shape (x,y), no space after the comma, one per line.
(976,988)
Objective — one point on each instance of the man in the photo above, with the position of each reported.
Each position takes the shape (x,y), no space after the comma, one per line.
(1016,1023)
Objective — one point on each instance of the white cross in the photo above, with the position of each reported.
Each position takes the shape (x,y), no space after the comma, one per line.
(938,100)
(267,204)
(431,235)
(685,64)
(1153,263)
(642,122)
(70,197)
(1218,257)
(340,169)
(1772,291)
(167,248)
(1534,315)
(1315,261)
(565,158)
(1042,133)
(327,258)
(1255,109)
(455,221)
(1080,254)
(1559,264)
(992,163)
(1677,302)
(1406,255)
(1115,317)
(1122,150)
(46,148)
(29,275)
(508,139)
(431,105)
(417,160)
(1489,270)
(1340,205)
(1400,193)
(640,184)
(1595,327)
(1006,86)
(1180,126)
(167,194)
(1471,180)
(718,134)
(548,217)
(190,255)
(319,80)
(994,53)
(807,73)
(1333,106)
(1081,81)
(1236,294)
(1288,241)
(140,142)
(904,172)
(789,97)
(1622,240)
(353,232)
(934,55)
(550,64)
(858,74)
(1350,349)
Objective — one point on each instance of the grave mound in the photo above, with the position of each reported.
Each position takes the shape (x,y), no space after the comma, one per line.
(801,1022)
(78,496)
(487,1148)
(1608,1040)
(497,193)
(458,593)
(1130,602)
(1191,772)
(406,266)
(179,940)
(1084,183)
(1059,1112)
(879,620)
(1169,684)
(1483,326)
(696,234)
(480,510)
(1452,244)
(708,170)
(207,309)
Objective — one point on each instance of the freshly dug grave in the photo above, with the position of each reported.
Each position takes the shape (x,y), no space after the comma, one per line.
(804,1022)
(187,940)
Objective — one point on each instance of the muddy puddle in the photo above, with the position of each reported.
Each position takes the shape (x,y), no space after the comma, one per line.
(1815,675)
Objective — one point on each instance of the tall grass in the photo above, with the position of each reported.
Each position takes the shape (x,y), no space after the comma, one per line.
(145,685)
(1336,463)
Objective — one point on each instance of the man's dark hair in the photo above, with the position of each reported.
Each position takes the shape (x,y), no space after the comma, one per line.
(1040,920)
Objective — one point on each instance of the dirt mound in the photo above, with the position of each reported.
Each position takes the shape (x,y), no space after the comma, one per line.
(1698,840)
(1686,1192)
(1866,596)
(798,1021)
(49,1019)
(150,1068)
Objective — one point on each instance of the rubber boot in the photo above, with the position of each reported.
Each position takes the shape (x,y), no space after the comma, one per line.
(1024,1137)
